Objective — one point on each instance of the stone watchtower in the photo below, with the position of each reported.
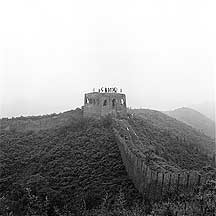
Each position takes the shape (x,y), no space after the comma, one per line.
(105,101)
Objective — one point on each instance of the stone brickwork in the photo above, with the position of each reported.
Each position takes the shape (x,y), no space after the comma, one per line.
(99,104)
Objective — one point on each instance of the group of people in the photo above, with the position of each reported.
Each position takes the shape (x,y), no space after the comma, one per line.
(107,90)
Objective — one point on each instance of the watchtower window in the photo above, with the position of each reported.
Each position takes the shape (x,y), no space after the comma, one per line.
(105,103)
(87,101)
(122,101)
(90,101)
(113,103)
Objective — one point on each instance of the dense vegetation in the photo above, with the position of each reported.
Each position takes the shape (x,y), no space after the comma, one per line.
(177,147)
(77,169)
(62,168)
(166,128)
(44,122)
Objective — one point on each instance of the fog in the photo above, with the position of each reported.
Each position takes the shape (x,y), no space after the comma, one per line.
(161,53)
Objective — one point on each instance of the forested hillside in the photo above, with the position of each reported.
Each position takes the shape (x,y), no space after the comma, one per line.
(65,166)
(169,150)
(175,131)
(36,123)
(77,166)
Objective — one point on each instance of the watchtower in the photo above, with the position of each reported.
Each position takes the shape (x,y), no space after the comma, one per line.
(103,102)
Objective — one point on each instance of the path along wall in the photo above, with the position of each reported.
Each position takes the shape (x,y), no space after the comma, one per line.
(150,183)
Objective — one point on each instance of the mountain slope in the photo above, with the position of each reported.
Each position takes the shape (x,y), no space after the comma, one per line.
(206,108)
(67,165)
(174,140)
(81,163)
(195,119)
(37,123)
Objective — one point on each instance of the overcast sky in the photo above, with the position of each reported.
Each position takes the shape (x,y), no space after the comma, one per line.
(161,53)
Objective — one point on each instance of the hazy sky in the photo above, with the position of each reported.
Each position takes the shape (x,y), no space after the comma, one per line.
(161,53)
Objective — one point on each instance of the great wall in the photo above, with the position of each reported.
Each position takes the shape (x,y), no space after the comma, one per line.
(153,180)
(150,182)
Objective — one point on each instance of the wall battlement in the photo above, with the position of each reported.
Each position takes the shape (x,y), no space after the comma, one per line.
(99,104)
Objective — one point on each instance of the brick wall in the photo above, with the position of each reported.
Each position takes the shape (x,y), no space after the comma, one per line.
(101,104)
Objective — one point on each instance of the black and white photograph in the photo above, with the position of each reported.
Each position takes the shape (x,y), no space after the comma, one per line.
(107,108)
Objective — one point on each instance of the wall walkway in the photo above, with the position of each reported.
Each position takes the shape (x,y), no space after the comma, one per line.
(151,183)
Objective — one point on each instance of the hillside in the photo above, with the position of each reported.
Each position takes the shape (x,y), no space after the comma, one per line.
(37,123)
(79,165)
(168,136)
(67,165)
(194,119)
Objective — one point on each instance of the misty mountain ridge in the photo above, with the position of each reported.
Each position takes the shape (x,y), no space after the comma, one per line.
(195,119)
(206,108)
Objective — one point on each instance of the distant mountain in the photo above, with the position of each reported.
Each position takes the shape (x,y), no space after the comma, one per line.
(207,109)
(195,119)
